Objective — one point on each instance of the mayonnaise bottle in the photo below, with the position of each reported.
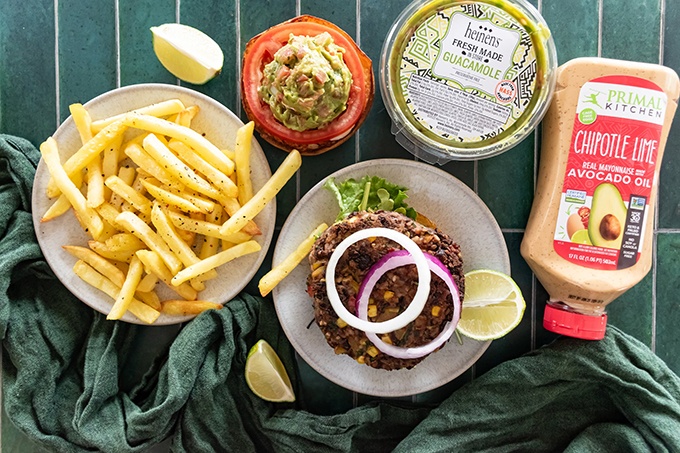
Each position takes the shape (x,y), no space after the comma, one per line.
(589,237)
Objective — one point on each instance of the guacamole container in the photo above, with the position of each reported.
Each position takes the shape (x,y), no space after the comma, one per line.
(464,80)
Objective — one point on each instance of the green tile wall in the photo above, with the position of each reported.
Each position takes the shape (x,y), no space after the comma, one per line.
(631,33)
(135,20)
(506,184)
(578,36)
(87,55)
(374,138)
(101,45)
(28,97)
(216,18)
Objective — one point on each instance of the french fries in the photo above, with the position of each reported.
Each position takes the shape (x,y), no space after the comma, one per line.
(242,160)
(127,290)
(154,264)
(120,256)
(61,205)
(208,229)
(254,206)
(124,241)
(169,198)
(95,178)
(177,169)
(187,136)
(98,262)
(155,196)
(94,278)
(163,108)
(88,152)
(167,231)
(87,216)
(136,226)
(214,261)
(184,117)
(129,194)
(140,157)
(219,179)
(183,307)
(272,278)
(148,283)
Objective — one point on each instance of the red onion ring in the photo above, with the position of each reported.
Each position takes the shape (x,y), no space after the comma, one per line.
(391,261)
(419,299)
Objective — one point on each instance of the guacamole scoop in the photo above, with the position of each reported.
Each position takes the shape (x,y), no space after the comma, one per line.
(307,84)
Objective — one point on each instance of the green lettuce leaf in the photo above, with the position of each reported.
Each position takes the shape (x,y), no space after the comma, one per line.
(370,193)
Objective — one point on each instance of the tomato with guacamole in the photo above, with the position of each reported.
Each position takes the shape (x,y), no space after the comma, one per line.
(306,85)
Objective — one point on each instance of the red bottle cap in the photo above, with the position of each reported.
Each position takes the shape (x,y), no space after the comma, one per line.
(572,324)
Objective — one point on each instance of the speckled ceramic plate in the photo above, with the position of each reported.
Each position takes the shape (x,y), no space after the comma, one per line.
(219,125)
(456,210)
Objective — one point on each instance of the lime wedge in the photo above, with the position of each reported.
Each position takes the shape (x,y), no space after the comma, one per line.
(266,376)
(188,53)
(493,305)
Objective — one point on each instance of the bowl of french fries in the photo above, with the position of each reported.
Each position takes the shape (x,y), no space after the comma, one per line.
(153,203)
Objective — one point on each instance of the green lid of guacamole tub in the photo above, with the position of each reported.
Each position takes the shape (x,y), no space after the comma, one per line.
(466,80)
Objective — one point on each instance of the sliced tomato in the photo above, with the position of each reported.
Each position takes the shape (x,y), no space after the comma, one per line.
(260,51)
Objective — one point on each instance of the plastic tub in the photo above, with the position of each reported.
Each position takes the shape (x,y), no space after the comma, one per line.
(464,80)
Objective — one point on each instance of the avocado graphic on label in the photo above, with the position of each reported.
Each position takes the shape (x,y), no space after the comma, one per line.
(607,217)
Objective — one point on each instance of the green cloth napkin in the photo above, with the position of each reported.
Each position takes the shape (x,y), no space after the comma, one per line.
(72,383)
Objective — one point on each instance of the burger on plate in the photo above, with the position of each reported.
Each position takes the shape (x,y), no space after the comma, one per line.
(394,280)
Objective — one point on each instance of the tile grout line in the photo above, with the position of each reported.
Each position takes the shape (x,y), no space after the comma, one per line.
(237,14)
(298,183)
(56,60)
(662,29)
(475,176)
(534,312)
(655,242)
(600,15)
(534,298)
(668,230)
(116,31)
(178,9)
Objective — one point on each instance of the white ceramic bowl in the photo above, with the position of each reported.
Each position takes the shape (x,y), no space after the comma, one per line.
(219,125)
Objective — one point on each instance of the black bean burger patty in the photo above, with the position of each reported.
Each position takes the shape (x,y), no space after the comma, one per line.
(391,294)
